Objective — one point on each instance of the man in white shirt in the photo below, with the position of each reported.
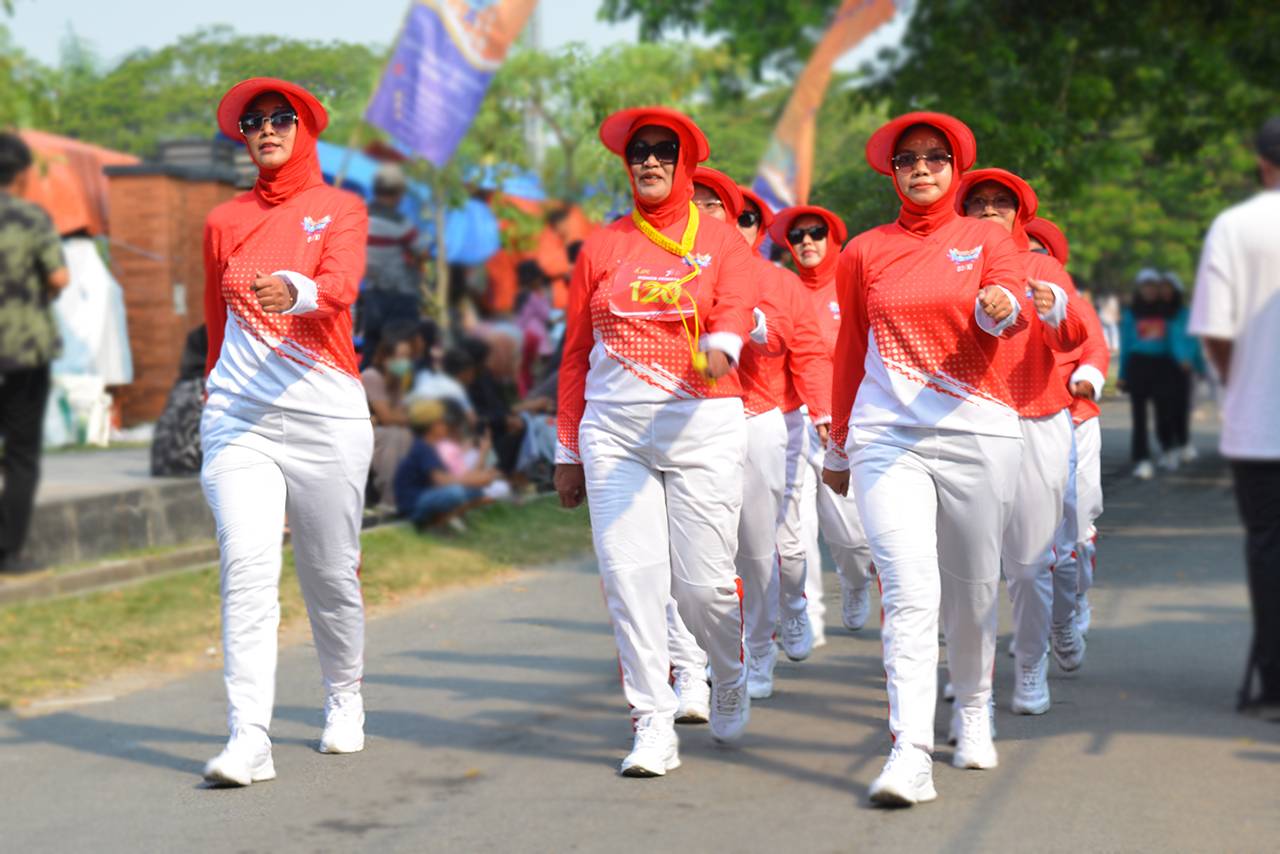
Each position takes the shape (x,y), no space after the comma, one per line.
(1236,312)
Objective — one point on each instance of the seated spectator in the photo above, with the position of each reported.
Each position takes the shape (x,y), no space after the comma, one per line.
(459,369)
(462,453)
(533,316)
(175,446)
(492,392)
(385,381)
(427,493)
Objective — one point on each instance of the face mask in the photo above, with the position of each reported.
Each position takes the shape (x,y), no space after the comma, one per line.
(399,367)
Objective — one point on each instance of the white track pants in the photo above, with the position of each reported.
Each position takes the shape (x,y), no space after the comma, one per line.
(935,505)
(764,485)
(259,463)
(1028,541)
(799,561)
(664,487)
(1077,536)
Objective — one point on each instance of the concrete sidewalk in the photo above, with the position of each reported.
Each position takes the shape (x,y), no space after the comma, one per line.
(496,723)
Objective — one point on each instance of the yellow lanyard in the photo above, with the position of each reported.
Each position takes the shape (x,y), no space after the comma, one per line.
(670,292)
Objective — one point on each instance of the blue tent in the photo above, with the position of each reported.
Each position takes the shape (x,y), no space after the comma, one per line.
(470,232)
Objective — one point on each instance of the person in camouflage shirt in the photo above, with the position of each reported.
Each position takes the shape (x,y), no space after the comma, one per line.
(32,274)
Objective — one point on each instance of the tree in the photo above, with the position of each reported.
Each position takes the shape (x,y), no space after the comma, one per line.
(24,87)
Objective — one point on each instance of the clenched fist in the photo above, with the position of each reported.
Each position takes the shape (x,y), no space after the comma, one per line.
(995,303)
(275,293)
(1042,295)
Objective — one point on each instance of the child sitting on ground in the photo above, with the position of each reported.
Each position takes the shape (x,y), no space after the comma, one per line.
(427,492)
(463,455)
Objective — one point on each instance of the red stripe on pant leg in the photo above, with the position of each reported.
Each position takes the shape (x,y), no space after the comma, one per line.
(742,624)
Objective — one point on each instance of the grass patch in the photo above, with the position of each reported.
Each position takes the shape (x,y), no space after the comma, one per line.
(170,622)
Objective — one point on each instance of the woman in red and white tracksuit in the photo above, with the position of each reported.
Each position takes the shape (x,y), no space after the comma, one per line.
(814,235)
(286,424)
(1029,363)
(1084,371)
(784,324)
(652,429)
(927,430)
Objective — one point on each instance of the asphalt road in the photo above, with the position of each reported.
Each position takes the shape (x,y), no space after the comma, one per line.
(496,723)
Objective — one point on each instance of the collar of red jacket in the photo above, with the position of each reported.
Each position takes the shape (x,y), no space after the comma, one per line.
(616,131)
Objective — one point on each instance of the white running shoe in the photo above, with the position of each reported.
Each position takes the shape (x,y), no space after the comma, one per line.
(694,695)
(974,745)
(655,751)
(953,731)
(1169,460)
(796,637)
(1068,646)
(1188,454)
(855,605)
(1031,693)
(343,723)
(1084,614)
(760,673)
(730,708)
(246,759)
(949,691)
(1144,470)
(907,778)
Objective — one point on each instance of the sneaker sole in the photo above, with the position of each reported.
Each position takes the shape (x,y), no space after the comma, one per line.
(1065,666)
(335,750)
(760,693)
(1020,709)
(215,777)
(694,718)
(640,772)
(793,656)
(965,763)
(889,797)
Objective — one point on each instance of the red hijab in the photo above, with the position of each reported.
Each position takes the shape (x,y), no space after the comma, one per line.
(724,188)
(924,219)
(766,214)
(302,170)
(1051,237)
(1027,201)
(836,236)
(616,131)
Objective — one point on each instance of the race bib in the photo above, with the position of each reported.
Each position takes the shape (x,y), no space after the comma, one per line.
(648,293)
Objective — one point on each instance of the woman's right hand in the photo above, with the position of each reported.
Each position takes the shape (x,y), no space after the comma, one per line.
(571,483)
(838,481)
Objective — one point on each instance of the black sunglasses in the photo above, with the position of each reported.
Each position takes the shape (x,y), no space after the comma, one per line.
(638,151)
(747,219)
(935,160)
(281,121)
(795,236)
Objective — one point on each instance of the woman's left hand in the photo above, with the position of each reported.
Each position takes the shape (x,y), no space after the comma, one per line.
(717,364)
(1042,295)
(275,294)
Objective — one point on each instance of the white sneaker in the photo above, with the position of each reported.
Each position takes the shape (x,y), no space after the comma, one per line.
(730,708)
(907,778)
(1188,454)
(1169,460)
(949,691)
(974,747)
(655,751)
(343,723)
(1144,470)
(855,605)
(1031,693)
(957,721)
(1068,646)
(796,637)
(760,673)
(246,759)
(694,695)
(1084,614)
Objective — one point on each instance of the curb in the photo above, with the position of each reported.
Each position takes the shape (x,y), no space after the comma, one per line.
(52,585)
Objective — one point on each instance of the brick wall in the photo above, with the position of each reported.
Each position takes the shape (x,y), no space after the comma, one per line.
(157,224)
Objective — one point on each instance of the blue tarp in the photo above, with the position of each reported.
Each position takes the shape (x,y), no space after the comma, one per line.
(470,232)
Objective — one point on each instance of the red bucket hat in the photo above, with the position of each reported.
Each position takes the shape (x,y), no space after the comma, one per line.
(723,186)
(766,212)
(231,107)
(880,147)
(1052,237)
(1027,200)
(617,129)
(786,216)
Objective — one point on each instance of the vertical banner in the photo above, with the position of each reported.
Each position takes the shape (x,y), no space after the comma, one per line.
(785,171)
(447,53)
